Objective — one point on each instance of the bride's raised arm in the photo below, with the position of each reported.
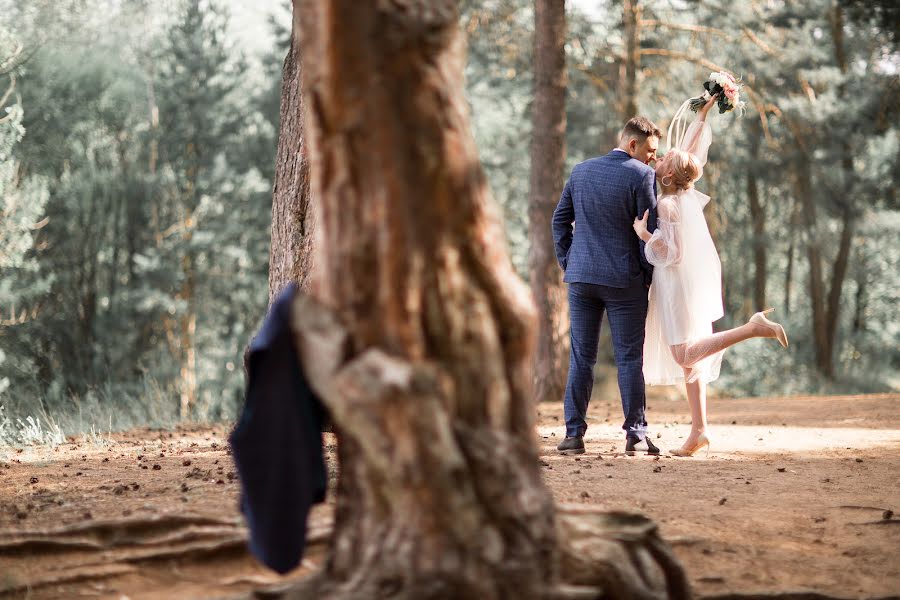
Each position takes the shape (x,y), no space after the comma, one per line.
(699,135)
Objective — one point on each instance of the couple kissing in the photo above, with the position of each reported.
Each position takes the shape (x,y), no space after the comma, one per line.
(634,244)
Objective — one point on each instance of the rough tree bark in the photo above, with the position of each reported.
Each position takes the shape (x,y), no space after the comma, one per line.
(440,494)
(548,156)
(290,256)
(419,337)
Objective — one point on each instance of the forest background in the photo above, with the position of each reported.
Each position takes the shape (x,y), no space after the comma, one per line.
(137,158)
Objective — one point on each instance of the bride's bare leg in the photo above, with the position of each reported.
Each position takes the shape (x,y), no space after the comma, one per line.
(692,352)
(696,397)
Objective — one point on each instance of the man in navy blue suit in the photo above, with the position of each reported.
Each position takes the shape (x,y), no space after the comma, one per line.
(607,271)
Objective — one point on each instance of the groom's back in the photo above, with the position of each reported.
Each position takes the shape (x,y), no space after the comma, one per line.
(605,191)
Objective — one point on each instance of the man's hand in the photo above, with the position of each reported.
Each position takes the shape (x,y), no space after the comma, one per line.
(640,226)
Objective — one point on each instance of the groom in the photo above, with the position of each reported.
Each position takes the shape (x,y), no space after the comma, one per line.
(606,270)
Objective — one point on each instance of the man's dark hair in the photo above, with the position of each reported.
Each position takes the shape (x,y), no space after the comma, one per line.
(639,128)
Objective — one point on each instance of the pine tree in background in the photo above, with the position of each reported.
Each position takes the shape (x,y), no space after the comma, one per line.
(134,135)
(21,203)
(197,76)
(77,141)
(548,158)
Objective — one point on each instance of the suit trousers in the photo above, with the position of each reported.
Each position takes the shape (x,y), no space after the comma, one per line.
(627,312)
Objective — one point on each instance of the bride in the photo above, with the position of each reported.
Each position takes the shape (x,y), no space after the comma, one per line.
(686,293)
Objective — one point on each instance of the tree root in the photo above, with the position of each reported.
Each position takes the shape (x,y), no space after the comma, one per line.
(621,552)
(787,596)
(73,575)
(103,549)
(610,555)
(104,534)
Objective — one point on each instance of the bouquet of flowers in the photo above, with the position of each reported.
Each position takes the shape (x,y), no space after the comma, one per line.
(726,86)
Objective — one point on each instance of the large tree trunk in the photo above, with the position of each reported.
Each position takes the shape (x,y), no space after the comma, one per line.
(420,339)
(440,492)
(290,257)
(548,157)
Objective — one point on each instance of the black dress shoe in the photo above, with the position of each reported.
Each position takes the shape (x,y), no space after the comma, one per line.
(632,446)
(571,445)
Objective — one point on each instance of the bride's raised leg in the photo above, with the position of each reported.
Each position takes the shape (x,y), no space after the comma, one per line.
(690,353)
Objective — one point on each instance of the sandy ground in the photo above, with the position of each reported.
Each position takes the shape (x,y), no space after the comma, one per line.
(796,495)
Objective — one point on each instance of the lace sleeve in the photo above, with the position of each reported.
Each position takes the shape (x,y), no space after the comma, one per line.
(697,140)
(664,247)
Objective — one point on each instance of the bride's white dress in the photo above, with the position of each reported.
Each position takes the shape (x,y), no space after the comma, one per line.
(686,293)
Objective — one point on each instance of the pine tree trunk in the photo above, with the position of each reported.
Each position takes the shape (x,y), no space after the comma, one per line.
(795,231)
(814,255)
(838,275)
(845,199)
(631,26)
(187,337)
(290,256)
(440,492)
(758,217)
(788,278)
(548,156)
(420,337)
(861,299)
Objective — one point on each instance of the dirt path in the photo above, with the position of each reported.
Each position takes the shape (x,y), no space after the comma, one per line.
(792,498)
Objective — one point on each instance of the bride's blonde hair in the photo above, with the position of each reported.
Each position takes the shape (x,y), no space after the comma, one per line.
(685,168)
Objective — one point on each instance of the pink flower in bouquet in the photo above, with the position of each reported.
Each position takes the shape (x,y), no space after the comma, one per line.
(731,92)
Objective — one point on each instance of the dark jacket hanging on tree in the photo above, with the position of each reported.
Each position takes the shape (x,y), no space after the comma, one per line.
(277,443)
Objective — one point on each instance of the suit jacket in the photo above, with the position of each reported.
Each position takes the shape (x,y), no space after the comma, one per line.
(277,443)
(602,198)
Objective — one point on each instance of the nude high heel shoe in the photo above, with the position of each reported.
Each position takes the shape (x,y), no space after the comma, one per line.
(760,319)
(702,441)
